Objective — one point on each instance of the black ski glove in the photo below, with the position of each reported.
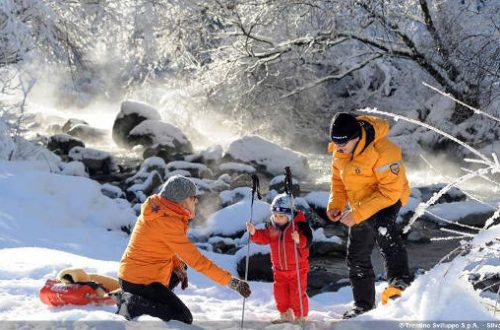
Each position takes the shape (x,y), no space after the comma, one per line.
(240,286)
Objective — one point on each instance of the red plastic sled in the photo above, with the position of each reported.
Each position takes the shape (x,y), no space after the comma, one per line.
(56,293)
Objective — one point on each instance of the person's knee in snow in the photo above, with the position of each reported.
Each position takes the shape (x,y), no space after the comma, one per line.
(159,248)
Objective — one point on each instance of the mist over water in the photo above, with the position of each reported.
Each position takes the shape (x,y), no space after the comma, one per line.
(180,104)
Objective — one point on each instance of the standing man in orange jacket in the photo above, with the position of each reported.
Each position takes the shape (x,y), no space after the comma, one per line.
(368,174)
(156,256)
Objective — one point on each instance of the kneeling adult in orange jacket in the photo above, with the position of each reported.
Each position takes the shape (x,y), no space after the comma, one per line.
(155,258)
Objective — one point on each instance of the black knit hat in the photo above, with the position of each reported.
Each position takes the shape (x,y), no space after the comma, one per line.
(344,127)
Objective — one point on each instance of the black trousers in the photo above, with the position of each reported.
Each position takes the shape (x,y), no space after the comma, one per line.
(153,299)
(380,228)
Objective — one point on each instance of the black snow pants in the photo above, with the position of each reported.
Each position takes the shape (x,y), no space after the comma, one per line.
(382,228)
(153,299)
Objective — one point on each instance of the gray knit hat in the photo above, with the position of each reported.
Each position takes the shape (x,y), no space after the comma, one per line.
(178,188)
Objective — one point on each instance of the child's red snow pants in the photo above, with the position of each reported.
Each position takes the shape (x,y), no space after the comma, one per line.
(286,291)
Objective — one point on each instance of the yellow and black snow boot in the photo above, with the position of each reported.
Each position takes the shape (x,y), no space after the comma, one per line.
(391,292)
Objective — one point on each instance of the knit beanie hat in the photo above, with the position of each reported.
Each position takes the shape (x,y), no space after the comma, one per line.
(344,127)
(178,188)
(282,203)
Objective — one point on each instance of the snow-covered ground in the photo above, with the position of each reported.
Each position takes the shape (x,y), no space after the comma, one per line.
(51,221)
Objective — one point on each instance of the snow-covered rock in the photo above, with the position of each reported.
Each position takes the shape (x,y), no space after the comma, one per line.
(222,244)
(87,133)
(425,193)
(327,245)
(72,122)
(112,191)
(74,168)
(470,213)
(318,199)
(259,262)
(25,150)
(230,221)
(153,132)
(177,172)
(131,114)
(209,156)
(267,156)
(235,195)
(196,169)
(96,161)
(61,144)
(278,184)
(147,187)
(236,168)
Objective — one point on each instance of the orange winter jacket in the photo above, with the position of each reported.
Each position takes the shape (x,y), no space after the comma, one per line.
(373,177)
(158,241)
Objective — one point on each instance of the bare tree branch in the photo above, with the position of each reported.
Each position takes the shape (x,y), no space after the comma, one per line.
(330,77)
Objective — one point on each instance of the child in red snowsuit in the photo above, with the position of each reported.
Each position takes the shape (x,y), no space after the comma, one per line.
(281,236)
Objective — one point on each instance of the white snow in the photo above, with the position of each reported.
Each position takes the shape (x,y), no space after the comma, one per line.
(38,208)
(254,149)
(50,221)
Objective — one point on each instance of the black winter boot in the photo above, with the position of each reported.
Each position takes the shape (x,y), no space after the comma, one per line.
(354,312)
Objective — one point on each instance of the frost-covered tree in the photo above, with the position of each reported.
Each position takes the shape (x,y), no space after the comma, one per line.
(294,62)
(275,66)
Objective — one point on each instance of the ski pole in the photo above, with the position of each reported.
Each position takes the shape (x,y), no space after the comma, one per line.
(255,190)
(288,190)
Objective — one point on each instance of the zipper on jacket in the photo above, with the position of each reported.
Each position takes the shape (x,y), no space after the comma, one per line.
(279,252)
(284,247)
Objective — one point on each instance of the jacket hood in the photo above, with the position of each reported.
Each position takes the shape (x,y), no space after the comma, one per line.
(373,129)
(380,126)
(156,203)
(299,217)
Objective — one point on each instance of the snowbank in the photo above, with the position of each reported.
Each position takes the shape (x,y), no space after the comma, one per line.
(69,213)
